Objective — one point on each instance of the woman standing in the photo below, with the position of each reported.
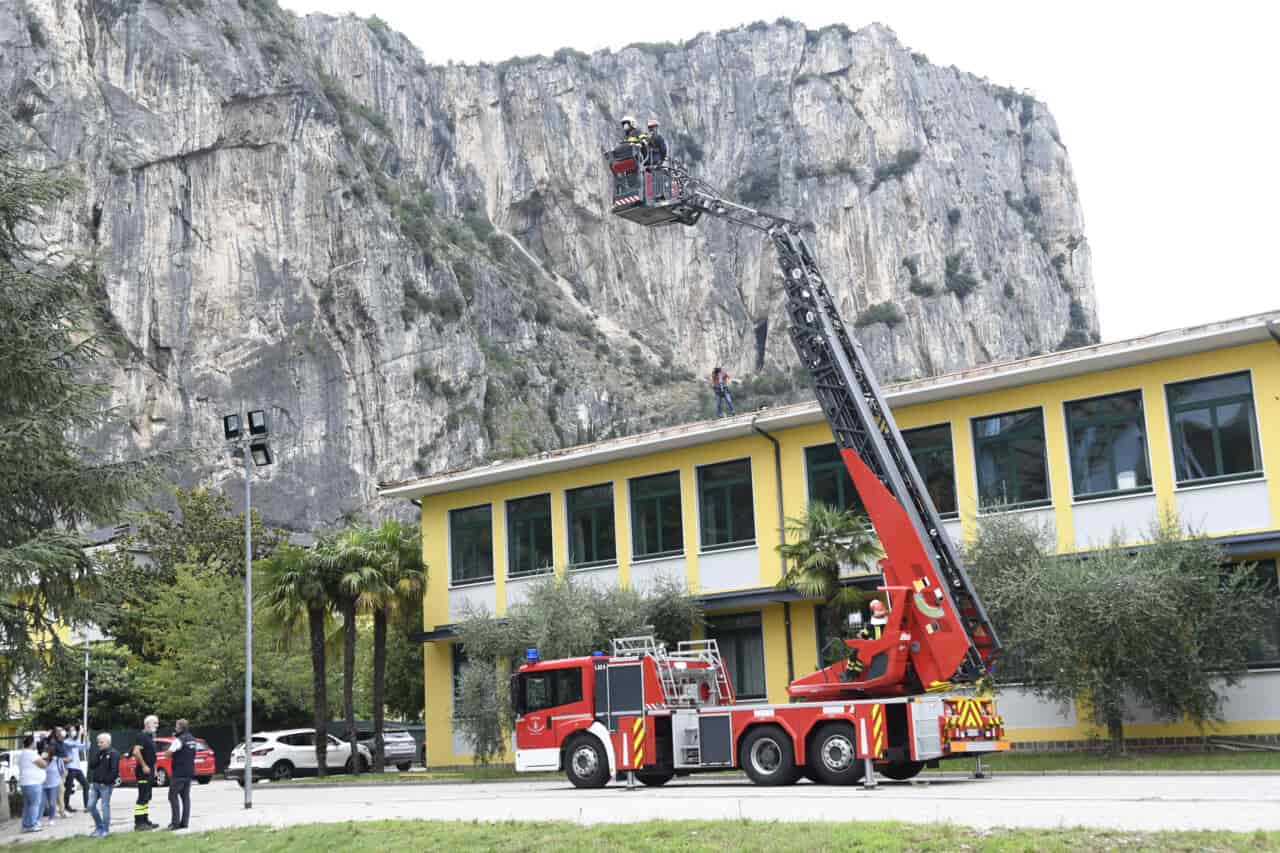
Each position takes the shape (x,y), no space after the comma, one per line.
(31,773)
(52,779)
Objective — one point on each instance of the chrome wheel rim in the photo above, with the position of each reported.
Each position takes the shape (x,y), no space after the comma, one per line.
(585,761)
(837,753)
(766,756)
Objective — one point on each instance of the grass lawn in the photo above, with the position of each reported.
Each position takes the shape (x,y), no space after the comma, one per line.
(664,837)
(1086,762)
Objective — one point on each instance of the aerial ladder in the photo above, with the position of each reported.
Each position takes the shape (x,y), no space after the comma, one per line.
(938,632)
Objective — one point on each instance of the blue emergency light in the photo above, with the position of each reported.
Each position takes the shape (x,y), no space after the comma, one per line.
(531,655)
(597,654)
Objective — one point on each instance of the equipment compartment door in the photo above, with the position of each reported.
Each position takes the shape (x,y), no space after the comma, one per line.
(716,734)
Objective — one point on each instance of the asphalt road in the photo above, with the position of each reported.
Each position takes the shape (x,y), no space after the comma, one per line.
(1140,802)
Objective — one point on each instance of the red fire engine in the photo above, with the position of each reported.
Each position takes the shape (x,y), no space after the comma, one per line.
(653,712)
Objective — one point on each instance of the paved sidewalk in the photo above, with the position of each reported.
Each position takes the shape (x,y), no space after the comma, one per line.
(1238,802)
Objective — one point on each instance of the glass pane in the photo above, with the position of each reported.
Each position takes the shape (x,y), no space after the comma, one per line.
(741,643)
(591,533)
(1267,648)
(1108,444)
(1214,388)
(1235,434)
(471,543)
(656,526)
(1011,459)
(725,503)
(930,449)
(529,535)
(829,480)
(1193,441)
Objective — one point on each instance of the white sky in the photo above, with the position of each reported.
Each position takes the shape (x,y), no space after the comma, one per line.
(1170,117)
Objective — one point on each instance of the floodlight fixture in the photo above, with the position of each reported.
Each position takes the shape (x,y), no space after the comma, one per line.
(231,427)
(261,452)
(258,422)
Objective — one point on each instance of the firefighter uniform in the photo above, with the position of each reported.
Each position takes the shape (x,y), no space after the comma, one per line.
(146,782)
(873,631)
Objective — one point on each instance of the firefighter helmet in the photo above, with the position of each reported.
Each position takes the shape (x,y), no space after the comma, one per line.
(653,122)
(631,120)
(877,607)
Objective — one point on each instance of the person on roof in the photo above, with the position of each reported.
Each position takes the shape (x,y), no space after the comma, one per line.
(657,144)
(720,387)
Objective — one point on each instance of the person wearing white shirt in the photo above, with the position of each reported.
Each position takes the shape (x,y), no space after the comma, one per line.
(31,773)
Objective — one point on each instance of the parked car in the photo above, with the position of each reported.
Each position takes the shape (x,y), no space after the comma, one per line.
(282,755)
(164,764)
(398,747)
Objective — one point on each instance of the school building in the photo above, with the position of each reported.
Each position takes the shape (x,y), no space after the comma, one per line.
(1092,443)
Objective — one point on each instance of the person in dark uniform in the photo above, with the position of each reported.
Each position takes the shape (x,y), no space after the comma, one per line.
(183,752)
(144,753)
(657,144)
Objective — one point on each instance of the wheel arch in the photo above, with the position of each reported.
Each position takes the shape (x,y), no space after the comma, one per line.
(600,733)
(797,743)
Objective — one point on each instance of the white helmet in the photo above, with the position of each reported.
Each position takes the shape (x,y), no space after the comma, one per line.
(631,120)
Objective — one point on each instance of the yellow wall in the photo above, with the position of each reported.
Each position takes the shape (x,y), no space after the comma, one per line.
(1262,359)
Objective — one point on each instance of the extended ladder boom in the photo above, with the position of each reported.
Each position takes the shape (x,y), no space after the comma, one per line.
(952,638)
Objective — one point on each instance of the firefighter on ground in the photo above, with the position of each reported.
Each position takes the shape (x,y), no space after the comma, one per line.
(657,144)
(873,630)
(144,753)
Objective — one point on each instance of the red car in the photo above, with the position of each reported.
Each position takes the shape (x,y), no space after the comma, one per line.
(164,764)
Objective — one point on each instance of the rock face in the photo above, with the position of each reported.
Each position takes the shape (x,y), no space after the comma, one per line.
(413,265)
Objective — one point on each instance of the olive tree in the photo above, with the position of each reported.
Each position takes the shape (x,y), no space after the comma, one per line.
(1164,625)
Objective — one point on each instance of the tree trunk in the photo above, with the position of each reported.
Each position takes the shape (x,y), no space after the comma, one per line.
(1115,730)
(379,683)
(319,689)
(349,679)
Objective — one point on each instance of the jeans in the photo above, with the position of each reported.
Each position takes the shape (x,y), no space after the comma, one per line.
(75,774)
(100,794)
(51,793)
(723,399)
(179,794)
(32,805)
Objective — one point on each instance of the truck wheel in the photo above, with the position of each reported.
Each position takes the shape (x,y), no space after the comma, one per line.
(654,778)
(768,757)
(834,757)
(586,763)
(403,766)
(901,771)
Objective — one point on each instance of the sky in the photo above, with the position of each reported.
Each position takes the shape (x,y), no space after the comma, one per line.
(1168,111)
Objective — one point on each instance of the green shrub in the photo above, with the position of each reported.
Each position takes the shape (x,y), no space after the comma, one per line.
(36,33)
(953,216)
(881,312)
(903,162)
(959,276)
(921,288)
(757,188)
(1009,292)
(566,54)
(380,30)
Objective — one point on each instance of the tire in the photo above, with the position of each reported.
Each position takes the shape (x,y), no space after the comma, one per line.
(204,780)
(834,755)
(768,757)
(281,771)
(403,766)
(901,771)
(162,777)
(586,763)
(807,770)
(655,778)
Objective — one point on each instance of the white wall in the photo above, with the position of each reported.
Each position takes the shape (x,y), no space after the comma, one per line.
(1225,507)
(732,568)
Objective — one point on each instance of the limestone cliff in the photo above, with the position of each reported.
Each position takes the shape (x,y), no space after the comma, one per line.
(413,264)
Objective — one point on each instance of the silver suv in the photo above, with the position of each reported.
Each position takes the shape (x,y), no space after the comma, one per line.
(399,748)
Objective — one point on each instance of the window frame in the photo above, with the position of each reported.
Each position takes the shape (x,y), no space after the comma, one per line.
(977,443)
(1068,422)
(1273,582)
(458,663)
(661,553)
(513,574)
(742,629)
(1171,410)
(703,547)
(951,448)
(522,690)
(569,519)
(454,581)
(856,506)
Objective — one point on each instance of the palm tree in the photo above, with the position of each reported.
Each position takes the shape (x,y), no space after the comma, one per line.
(821,544)
(351,577)
(395,550)
(295,585)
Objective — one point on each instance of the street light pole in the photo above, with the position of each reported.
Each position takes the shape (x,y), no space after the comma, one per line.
(248,629)
(84,718)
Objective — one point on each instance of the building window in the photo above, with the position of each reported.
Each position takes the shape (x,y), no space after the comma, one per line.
(930,449)
(591,536)
(829,480)
(1107,440)
(529,535)
(741,643)
(657,527)
(726,505)
(1012,471)
(471,544)
(458,661)
(1266,651)
(1215,435)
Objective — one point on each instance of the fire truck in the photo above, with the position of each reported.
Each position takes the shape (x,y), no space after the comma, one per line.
(894,704)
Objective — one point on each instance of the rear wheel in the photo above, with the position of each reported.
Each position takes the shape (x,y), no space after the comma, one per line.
(768,757)
(835,758)
(654,778)
(281,771)
(403,766)
(901,771)
(586,763)
(204,780)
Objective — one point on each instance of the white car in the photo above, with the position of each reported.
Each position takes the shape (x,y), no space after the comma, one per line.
(282,755)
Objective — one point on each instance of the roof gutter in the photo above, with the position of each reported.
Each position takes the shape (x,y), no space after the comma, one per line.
(782,535)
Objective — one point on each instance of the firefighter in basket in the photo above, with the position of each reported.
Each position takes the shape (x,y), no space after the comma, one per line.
(873,630)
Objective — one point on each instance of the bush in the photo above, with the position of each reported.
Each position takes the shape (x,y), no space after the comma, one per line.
(922,288)
(482,718)
(959,276)
(380,30)
(953,216)
(903,162)
(758,188)
(881,312)
(1078,333)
